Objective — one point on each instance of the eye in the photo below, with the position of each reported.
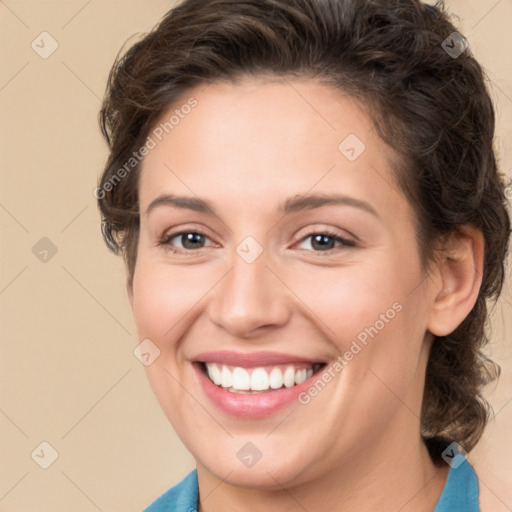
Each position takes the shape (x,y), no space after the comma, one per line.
(324,241)
(186,241)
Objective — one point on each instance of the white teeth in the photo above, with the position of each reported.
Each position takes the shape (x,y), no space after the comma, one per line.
(241,379)
(289,377)
(214,372)
(276,378)
(226,377)
(300,376)
(257,379)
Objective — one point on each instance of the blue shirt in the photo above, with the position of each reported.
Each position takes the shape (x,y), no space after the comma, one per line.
(460,493)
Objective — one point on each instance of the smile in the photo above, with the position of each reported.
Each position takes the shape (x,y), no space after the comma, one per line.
(254,385)
(237,379)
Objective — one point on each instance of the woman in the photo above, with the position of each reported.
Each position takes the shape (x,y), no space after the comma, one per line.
(307,200)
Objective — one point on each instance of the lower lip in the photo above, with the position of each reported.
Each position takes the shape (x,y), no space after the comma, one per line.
(251,405)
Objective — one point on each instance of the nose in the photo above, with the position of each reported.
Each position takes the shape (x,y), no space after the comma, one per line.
(249,300)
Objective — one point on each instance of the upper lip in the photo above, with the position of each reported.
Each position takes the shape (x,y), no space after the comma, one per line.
(251,359)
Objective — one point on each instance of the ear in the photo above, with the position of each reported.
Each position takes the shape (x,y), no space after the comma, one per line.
(459,277)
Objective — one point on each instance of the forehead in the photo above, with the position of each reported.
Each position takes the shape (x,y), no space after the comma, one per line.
(267,137)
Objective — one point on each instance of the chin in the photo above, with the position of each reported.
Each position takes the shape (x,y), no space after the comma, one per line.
(276,468)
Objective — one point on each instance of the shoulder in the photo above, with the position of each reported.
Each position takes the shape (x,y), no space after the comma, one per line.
(180,498)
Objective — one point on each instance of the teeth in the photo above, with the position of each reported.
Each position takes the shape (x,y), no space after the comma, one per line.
(300,376)
(289,377)
(226,377)
(241,379)
(276,378)
(257,379)
(215,374)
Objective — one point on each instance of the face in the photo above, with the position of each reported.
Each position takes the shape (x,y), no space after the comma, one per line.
(279,276)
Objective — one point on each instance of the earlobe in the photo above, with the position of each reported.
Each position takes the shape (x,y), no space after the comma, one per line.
(460,268)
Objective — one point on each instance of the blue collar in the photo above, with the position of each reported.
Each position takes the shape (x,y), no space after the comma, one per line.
(460,493)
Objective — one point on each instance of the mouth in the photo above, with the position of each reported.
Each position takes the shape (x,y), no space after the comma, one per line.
(254,385)
(261,379)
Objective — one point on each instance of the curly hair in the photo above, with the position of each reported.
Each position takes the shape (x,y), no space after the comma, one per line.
(429,104)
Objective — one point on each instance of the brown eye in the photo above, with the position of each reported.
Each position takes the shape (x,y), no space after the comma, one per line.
(322,242)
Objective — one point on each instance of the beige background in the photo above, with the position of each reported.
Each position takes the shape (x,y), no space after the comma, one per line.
(68,373)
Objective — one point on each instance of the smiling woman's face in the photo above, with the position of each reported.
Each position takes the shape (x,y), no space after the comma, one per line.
(303,250)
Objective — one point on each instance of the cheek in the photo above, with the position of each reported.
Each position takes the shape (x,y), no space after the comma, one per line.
(375,315)
(164,298)
(347,302)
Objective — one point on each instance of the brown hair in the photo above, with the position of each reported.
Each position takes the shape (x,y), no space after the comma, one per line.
(430,105)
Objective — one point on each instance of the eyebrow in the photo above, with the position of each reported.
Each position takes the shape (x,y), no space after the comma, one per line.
(291,205)
(311,201)
(189,203)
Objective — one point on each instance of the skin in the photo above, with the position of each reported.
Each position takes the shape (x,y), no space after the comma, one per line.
(246,148)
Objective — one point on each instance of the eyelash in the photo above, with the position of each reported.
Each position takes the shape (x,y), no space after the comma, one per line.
(165,240)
